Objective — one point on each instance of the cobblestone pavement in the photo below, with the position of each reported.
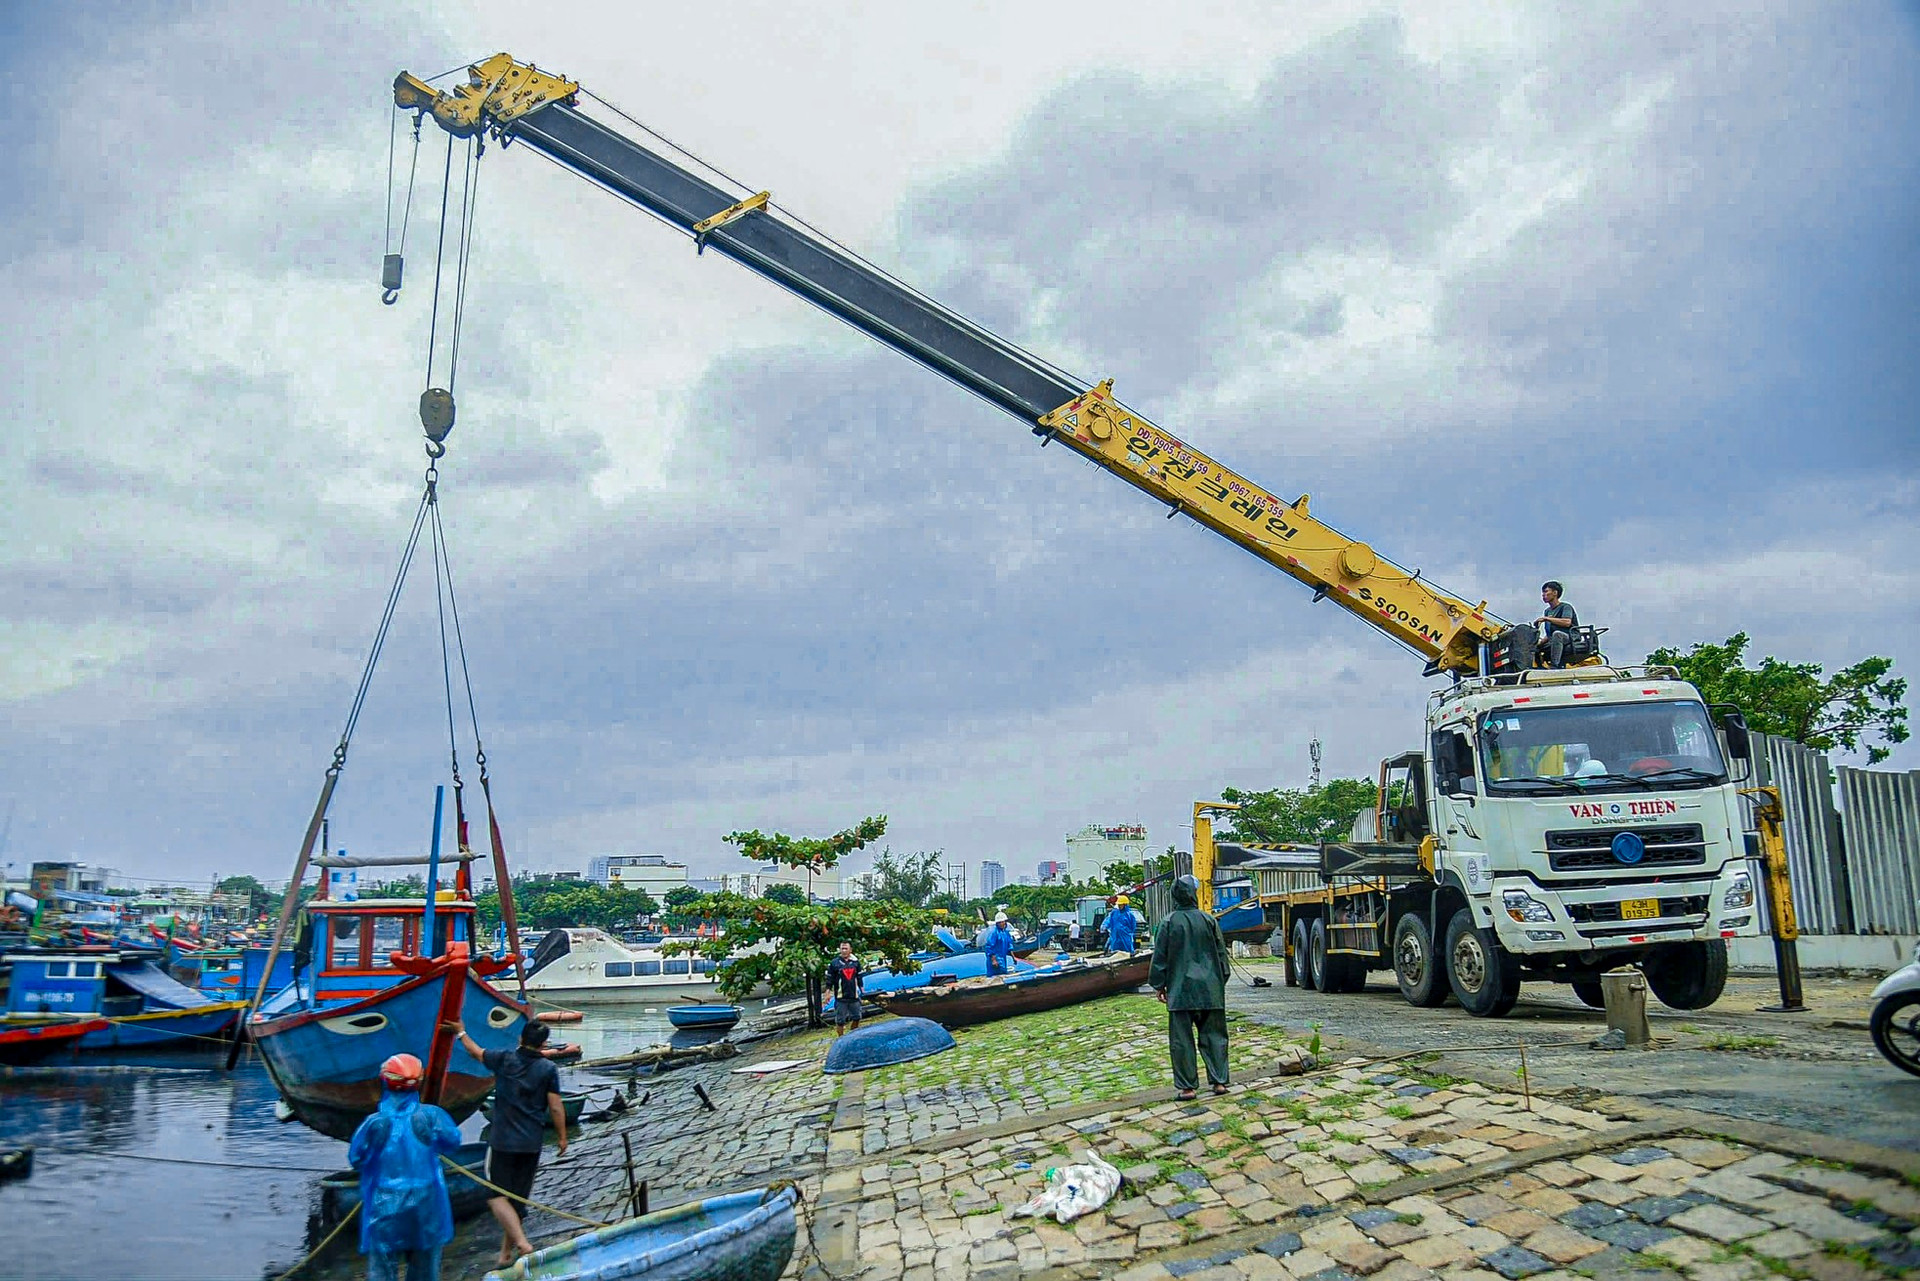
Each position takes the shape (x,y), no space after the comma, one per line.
(1389,1171)
(1815,1070)
(1015,1068)
(1390,1174)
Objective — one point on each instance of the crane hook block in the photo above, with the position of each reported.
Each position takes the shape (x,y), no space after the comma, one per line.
(436,413)
(390,270)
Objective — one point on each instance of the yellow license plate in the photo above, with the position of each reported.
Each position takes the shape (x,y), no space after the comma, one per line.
(1639,909)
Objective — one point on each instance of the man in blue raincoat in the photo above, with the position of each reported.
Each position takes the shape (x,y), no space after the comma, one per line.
(999,948)
(404,1211)
(1120,926)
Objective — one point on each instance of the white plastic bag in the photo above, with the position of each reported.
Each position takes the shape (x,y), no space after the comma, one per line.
(1074,1190)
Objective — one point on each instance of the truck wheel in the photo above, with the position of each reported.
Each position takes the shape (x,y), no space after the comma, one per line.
(1277,942)
(1590,993)
(1417,968)
(1334,974)
(1688,976)
(1303,956)
(1484,978)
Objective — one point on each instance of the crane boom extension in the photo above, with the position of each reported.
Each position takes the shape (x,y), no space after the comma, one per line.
(519,103)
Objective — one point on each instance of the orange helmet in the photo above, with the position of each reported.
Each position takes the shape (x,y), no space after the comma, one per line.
(402,1072)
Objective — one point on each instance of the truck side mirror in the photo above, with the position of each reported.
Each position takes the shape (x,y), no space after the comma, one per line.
(1734,726)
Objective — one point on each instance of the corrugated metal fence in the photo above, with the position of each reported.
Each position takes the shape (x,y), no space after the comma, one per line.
(1880,826)
(1855,866)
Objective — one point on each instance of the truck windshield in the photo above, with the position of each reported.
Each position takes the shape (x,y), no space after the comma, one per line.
(1602,747)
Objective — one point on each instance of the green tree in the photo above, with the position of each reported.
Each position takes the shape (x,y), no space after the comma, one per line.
(804,936)
(259,897)
(1307,815)
(905,878)
(782,892)
(1124,875)
(1844,711)
(813,853)
(681,897)
(1029,904)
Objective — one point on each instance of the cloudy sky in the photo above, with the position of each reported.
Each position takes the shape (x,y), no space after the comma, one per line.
(1622,296)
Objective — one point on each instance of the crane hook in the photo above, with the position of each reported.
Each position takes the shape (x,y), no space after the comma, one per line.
(390,271)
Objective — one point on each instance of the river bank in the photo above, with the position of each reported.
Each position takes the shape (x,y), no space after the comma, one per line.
(1420,1166)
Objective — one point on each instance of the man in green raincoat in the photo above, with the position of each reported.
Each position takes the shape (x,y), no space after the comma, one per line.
(1189,975)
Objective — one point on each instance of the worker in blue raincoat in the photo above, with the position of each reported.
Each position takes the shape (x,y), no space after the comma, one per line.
(1120,927)
(999,948)
(404,1211)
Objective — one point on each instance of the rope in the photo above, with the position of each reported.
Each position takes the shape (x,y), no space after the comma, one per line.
(469,207)
(439,259)
(185,1160)
(446,662)
(529,1202)
(316,1251)
(380,635)
(460,643)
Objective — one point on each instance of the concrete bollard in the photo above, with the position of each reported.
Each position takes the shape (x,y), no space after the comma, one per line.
(1625,990)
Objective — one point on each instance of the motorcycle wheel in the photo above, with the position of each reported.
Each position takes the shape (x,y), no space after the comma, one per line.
(1896,1030)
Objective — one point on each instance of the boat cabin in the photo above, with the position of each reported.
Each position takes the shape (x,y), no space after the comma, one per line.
(344,950)
(110,981)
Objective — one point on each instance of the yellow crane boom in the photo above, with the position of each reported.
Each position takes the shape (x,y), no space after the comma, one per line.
(517,102)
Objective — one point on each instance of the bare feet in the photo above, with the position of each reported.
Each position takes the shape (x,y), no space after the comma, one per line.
(1219,1089)
(1186,1094)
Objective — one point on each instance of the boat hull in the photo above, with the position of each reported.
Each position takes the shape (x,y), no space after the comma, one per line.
(744,1237)
(30,1042)
(704,1016)
(976,1001)
(165,1029)
(326,1062)
(618,992)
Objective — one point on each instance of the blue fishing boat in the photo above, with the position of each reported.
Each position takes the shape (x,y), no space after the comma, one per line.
(747,1236)
(966,965)
(143,1006)
(886,1043)
(714,1016)
(365,988)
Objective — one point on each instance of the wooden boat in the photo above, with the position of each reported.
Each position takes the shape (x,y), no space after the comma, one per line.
(135,1004)
(365,993)
(747,1236)
(340,1193)
(1048,987)
(31,1040)
(718,1016)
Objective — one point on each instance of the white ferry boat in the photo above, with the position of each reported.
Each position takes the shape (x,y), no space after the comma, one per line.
(584,964)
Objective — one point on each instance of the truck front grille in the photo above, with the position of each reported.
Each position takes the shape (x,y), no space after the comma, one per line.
(1588,849)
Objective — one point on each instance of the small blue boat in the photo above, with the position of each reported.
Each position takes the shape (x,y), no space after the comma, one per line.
(143,1006)
(747,1236)
(966,965)
(884,1044)
(718,1016)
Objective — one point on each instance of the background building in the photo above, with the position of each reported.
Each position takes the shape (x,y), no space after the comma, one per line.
(826,886)
(649,872)
(992,877)
(1093,847)
(1051,870)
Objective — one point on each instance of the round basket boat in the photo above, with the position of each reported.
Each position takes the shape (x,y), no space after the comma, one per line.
(883,1044)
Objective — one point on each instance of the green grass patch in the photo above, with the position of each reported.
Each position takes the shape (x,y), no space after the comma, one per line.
(1399,1111)
(1735,1043)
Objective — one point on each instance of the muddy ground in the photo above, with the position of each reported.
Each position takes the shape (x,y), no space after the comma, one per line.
(1816,1070)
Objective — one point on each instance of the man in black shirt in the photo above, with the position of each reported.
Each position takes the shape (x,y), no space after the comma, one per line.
(1559,620)
(526,1098)
(843,984)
